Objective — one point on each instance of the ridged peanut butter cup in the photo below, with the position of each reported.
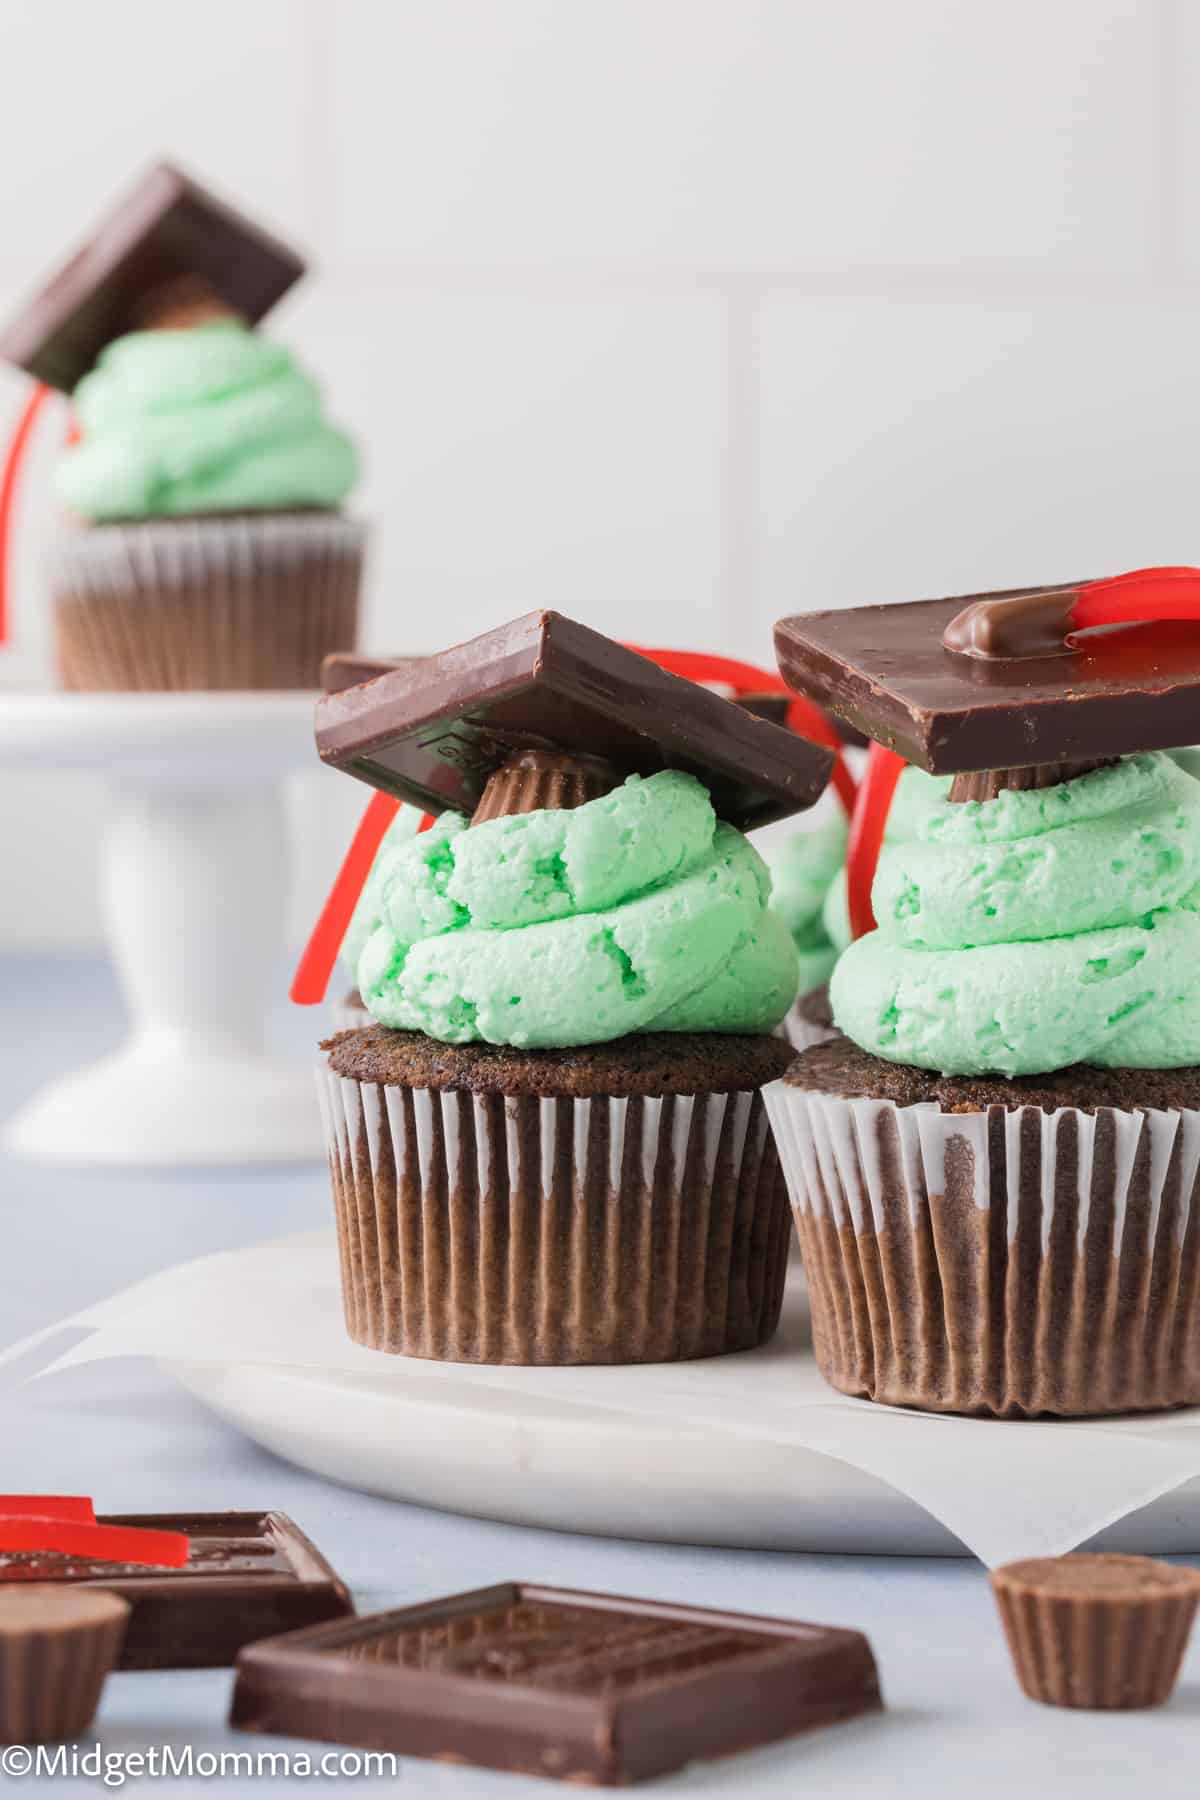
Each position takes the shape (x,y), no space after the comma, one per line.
(535,780)
(57,1645)
(1101,1631)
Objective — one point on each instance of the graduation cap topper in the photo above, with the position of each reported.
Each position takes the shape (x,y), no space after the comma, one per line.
(1023,688)
(545,712)
(168,253)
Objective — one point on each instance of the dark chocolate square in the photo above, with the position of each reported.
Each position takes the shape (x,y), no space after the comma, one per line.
(249,1575)
(168,227)
(884,669)
(582,1687)
(433,732)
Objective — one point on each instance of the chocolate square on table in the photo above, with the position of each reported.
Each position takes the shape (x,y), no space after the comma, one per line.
(249,1575)
(586,1688)
(433,733)
(886,671)
(168,229)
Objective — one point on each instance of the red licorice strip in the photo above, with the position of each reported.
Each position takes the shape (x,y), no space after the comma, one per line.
(48,1506)
(867,826)
(805,719)
(1141,596)
(321,952)
(9,477)
(98,1543)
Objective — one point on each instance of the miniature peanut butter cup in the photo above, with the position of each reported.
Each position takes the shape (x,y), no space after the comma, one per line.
(57,1645)
(535,780)
(1105,1632)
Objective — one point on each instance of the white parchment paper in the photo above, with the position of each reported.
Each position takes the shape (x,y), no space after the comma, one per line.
(1006,1489)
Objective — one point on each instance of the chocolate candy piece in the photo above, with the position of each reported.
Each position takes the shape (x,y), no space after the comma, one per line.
(886,670)
(582,1687)
(249,1575)
(346,668)
(1021,623)
(167,231)
(433,734)
(56,1649)
(1094,1630)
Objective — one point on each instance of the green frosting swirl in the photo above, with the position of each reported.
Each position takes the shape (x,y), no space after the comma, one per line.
(808,875)
(1022,934)
(803,868)
(212,419)
(636,912)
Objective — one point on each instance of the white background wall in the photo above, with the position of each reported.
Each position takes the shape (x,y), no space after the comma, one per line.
(674,314)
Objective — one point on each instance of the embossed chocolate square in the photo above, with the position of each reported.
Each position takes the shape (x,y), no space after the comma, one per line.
(435,732)
(586,1688)
(1005,680)
(167,243)
(248,1575)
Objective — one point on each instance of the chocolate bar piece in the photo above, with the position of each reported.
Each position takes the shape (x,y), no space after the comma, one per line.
(887,671)
(169,230)
(347,668)
(249,1575)
(582,1687)
(434,733)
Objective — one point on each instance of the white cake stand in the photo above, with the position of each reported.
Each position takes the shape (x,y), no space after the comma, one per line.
(195,887)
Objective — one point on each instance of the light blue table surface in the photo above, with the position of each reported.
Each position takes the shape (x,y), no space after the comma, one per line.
(955,1725)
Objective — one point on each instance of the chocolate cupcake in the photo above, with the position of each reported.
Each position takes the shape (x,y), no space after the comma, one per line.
(209,550)
(552,1146)
(994,1168)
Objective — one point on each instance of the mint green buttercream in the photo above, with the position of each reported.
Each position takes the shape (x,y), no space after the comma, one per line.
(1039,929)
(211,419)
(802,869)
(636,912)
(808,872)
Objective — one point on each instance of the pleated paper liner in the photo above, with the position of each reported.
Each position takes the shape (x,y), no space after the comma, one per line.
(1097,1631)
(57,1645)
(513,1229)
(1008,1262)
(253,601)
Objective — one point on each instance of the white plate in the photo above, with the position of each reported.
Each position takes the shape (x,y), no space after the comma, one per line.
(495,1454)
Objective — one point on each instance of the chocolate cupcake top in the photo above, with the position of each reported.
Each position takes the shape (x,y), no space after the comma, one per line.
(653,1063)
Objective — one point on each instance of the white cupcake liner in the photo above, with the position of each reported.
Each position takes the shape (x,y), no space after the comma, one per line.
(502,1229)
(1008,1262)
(252,601)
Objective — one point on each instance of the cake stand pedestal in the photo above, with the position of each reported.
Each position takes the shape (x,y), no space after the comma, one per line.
(195,882)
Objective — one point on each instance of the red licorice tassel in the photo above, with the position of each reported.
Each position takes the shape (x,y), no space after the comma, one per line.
(98,1543)
(311,980)
(321,952)
(1141,596)
(9,478)
(75,1507)
(867,826)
